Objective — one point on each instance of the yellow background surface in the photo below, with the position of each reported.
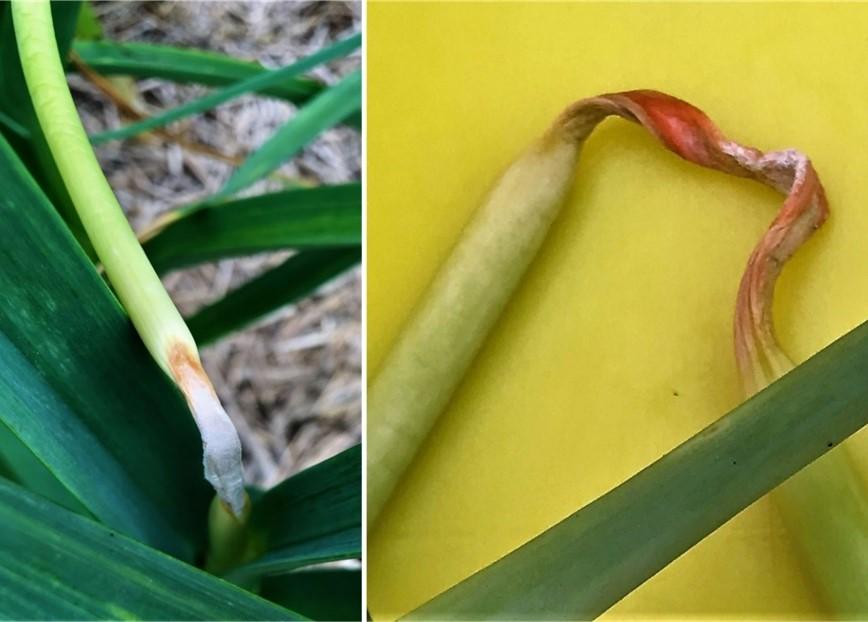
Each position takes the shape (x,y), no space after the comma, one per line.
(617,346)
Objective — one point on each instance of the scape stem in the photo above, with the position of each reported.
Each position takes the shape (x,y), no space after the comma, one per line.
(469,292)
(140,291)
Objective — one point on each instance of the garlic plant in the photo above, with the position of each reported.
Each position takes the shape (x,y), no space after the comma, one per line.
(468,294)
(136,284)
(100,463)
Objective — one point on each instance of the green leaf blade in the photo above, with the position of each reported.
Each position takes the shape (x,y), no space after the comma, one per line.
(336,546)
(324,217)
(254,84)
(148,60)
(22,466)
(58,565)
(46,424)
(312,517)
(88,26)
(333,594)
(590,560)
(120,437)
(323,112)
(297,277)
(325,498)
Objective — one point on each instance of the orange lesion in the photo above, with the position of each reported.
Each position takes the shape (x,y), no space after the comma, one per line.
(186,367)
(688,132)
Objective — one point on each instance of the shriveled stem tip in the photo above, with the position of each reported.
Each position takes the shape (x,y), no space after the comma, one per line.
(220,444)
(688,132)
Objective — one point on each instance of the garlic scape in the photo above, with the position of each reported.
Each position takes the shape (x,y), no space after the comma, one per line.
(825,505)
(450,323)
(135,282)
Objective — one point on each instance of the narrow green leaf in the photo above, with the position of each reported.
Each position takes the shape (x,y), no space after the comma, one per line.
(148,60)
(326,594)
(253,84)
(324,111)
(590,560)
(312,517)
(344,544)
(58,565)
(78,388)
(295,278)
(327,216)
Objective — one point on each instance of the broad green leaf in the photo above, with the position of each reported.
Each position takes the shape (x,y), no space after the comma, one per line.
(23,467)
(323,112)
(19,119)
(58,565)
(78,388)
(6,470)
(253,84)
(344,544)
(327,216)
(321,594)
(295,278)
(590,560)
(312,517)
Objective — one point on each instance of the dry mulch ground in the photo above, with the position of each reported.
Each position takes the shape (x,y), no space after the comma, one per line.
(292,382)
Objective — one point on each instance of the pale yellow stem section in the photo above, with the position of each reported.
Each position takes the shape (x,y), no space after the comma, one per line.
(457,312)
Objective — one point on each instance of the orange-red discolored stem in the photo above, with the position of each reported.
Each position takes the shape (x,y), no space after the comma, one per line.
(688,132)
